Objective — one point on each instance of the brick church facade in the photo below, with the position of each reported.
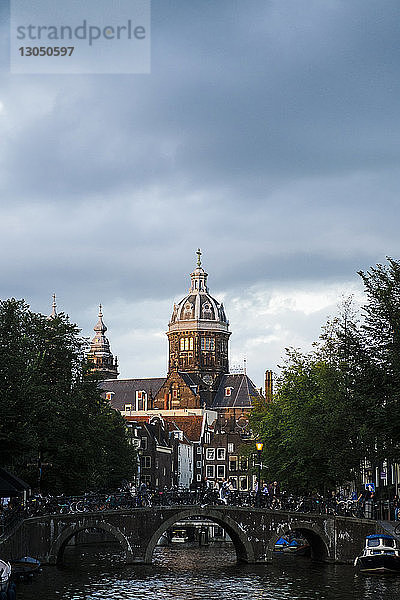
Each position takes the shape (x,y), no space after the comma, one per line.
(198,386)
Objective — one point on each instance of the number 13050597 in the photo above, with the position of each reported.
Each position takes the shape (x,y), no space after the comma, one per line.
(46,50)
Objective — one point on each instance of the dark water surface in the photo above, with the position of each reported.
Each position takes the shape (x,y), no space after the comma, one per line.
(193,573)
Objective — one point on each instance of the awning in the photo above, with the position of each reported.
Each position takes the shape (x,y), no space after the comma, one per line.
(11,485)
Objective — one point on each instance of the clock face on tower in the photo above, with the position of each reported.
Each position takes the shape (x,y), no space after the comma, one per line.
(208,379)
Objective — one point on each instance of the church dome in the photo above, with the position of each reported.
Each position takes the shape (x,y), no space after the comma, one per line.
(199,306)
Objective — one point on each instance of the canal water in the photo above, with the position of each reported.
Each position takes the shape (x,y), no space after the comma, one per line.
(193,573)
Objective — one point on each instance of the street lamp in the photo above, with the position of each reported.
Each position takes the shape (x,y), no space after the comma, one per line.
(259,446)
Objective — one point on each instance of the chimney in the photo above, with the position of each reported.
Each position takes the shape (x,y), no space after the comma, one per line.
(268,385)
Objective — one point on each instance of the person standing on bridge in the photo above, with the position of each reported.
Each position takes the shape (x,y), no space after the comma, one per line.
(224,492)
(274,493)
(396,507)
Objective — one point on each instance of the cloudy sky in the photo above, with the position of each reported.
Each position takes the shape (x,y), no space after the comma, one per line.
(267,134)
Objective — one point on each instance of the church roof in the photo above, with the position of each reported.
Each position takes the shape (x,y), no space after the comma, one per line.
(191,425)
(235,390)
(198,305)
(124,390)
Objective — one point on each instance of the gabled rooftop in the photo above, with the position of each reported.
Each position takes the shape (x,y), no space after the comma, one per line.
(236,390)
(123,391)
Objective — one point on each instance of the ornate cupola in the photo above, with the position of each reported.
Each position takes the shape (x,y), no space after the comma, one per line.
(100,354)
(198,334)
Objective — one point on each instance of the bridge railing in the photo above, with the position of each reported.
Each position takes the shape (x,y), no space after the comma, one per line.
(36,506)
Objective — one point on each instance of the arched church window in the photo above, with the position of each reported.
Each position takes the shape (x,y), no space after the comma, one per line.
(207,343)
(188,309)
(207,313)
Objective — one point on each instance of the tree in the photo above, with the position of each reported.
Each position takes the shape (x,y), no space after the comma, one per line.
(381,331)
(56,427)
(339,404)
(317,428)
(304,429)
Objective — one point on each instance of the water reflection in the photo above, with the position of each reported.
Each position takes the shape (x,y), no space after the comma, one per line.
(193,573)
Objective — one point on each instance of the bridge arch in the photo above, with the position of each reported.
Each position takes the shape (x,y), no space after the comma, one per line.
(314,535)
(243,547)
(58,546)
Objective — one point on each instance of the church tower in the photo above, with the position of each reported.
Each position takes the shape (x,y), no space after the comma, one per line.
(100,354)
(198,336)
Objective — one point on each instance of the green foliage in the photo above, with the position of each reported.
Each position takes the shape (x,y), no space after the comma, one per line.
(340,403)
(306,431)
(382,334)
(51,407)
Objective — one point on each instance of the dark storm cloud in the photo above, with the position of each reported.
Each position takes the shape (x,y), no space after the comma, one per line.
(267,133)
(241,94)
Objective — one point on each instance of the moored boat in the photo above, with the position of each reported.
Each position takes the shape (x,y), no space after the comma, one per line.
(381,554)
(292,545)
(179,535)
(281,544)
(25,566)
(5,574)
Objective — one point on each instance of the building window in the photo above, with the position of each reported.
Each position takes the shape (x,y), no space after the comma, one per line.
(234,482)
(210,454)
(231,448)
(221,471)
(141,400)
(233,463)
(187,343)
(198,450)
(146,462)
(198,477)
(244,464)
(127,407)
(174,393)
(243,483)
(207,343)
(198,464)
(143,445)
(228,391)
(220,453)
(210,471)
(157,463)
(146,479)
(207,312)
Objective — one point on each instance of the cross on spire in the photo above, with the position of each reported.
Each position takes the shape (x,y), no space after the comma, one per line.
(198,257)
(54,308)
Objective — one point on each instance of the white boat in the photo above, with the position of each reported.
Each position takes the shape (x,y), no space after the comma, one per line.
(380,555)
(5,574)
(179,535)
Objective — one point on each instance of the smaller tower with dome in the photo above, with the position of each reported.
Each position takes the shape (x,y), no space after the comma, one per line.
(100,354)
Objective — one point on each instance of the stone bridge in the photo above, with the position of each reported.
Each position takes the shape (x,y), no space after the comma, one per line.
(253,532)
